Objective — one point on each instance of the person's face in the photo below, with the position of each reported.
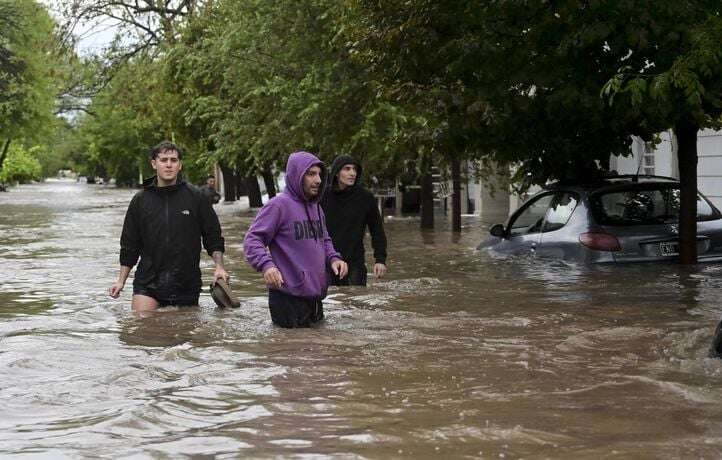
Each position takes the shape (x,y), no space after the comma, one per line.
(312,182)
(211,182)
(347,176)
(167,165)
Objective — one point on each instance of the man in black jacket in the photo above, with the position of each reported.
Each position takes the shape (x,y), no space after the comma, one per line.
(349,209)
(164,226)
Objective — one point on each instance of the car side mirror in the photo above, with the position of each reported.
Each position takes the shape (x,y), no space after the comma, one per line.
(498,231)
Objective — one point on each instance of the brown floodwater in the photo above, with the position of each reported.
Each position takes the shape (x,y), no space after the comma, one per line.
(456,354)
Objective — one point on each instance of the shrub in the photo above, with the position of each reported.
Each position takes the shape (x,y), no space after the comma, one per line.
(21,166)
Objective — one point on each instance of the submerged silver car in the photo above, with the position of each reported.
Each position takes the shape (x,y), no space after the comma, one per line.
(620,219)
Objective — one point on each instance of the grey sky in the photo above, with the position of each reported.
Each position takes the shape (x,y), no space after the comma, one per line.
(92,37)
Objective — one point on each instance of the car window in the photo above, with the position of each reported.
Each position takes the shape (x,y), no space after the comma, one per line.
(531,217)
(645,207)
(560,211)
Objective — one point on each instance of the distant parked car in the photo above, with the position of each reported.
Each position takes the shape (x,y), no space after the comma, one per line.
(620,219)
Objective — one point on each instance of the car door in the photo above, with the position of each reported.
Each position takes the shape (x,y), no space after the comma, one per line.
(524,229)
(556,240)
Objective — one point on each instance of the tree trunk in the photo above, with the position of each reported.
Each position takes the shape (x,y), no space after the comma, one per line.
(686,133)
(254,192)
(270,183)
(456,197)
(4,153)
(241,187)
(229,183)
(427,200)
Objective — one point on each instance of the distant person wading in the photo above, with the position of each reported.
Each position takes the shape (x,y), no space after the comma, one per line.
(209,190)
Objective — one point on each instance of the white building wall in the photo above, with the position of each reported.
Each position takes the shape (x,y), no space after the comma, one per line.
(628,164)
(709,166)
(489,196)
(666,156)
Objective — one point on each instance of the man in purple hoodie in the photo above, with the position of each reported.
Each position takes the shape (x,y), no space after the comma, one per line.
(293,228)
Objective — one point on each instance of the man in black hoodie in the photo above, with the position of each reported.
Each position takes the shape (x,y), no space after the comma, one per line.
(164,226)
(349,209)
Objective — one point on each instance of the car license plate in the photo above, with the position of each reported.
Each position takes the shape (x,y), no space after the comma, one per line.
(669,249)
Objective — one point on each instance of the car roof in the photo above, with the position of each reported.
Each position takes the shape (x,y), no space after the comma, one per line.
(611,182)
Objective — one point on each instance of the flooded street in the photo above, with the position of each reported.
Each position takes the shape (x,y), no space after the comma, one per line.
(455,355)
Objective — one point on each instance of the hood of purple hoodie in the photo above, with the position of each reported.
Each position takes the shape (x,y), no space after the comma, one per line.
(296,167)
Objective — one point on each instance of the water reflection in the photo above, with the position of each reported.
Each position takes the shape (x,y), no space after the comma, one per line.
(166,327)
(455,354)
(23,303)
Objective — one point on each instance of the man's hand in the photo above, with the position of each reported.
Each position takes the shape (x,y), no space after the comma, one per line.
(219,273)
(115,289)
(379,270)
(273,277)
(339,268)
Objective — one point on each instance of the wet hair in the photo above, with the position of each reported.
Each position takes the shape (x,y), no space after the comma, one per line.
(165,146)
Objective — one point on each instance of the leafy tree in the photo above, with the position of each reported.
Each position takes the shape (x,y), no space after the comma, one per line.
(27,83)
(264,79)
(422,55)
(10,66)
(63,149)
(128,120)
(671,77)
(143,26)
(656,62)
(539,81)
(21,165)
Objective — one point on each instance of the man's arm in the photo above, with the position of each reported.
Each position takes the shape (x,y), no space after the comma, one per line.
(210,228)
(375,223)
(118,285)
(220,271)
(333,258)
(212,237)
(130,242)
(130,239)
(258,237)
(329,250)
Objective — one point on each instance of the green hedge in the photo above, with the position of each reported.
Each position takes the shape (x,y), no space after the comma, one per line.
(21,166)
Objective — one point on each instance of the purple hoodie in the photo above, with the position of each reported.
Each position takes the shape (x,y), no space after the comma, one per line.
(294,230)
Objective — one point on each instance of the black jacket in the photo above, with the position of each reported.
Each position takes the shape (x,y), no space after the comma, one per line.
(164,227)
(348,213)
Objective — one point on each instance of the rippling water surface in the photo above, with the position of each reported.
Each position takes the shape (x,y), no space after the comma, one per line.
(455,355)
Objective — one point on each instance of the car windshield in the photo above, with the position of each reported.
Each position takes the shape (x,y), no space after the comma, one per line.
(645,206)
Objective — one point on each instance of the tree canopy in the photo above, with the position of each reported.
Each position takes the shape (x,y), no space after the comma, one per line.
(548,89)
(27,81)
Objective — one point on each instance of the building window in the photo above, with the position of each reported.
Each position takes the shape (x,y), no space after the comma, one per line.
(648,159)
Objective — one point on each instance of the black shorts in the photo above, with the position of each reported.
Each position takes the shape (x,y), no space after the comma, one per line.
(188,300)
(291,311)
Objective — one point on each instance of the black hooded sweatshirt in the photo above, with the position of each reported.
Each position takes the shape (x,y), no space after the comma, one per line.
(348,213)
(164,226)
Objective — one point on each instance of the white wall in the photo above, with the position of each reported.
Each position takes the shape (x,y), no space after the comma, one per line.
(709,167)
(491,198)
(665,158)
